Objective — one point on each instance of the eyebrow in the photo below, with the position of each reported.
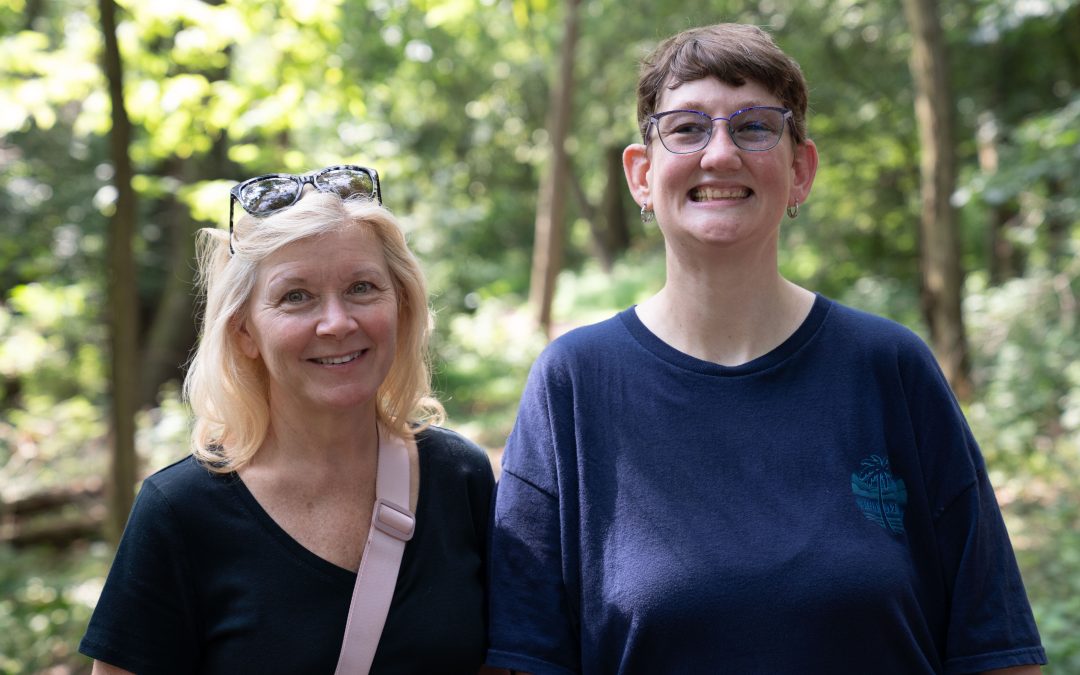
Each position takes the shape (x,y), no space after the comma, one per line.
(289,279)
(700,107)
(285,281)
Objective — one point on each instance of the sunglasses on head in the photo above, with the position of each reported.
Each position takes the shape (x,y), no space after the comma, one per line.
(264,195)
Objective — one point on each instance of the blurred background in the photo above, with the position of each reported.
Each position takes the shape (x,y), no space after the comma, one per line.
(947,199)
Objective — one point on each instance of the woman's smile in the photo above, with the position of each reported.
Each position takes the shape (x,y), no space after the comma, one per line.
(709,194)
(338,360)
(323,321)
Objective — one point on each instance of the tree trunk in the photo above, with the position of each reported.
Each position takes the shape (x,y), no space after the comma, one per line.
(941,270)
(548,242)
(1057,226)
(32,10)
(1003,258)
(172,333)
(618,229)
(597,233)
(122,297)
(173,330)
(56,516)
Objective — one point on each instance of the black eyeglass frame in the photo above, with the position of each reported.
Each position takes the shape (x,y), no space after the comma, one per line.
(654,120)
(300,180)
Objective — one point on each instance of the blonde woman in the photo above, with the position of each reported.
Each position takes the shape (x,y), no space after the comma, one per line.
(243,556)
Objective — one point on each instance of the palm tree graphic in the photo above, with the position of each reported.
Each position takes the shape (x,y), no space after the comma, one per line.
(880,495)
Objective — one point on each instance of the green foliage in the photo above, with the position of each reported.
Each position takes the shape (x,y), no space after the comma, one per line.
(49,340)
(484,355)
(1028,361)
(448,100)
(592,295)
(1052,579)
(50,232)
(47,595)
(45,603)
(53,383)
(483,358)
(1026,352)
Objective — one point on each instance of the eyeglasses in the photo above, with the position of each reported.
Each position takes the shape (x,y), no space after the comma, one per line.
(756,129)
(264,195)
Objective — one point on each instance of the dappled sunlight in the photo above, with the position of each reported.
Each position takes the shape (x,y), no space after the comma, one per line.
(449,101)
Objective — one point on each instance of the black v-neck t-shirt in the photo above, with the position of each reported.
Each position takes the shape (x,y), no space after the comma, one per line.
(204,581)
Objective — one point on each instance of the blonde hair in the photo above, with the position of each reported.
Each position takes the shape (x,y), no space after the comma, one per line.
(228,392)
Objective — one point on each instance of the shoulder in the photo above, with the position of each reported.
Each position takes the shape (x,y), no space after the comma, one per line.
(186,492)
(873,335)
(885,350)
(590,337)
(182,477)
(172,505)
(870,328)
(582,346)
(450,451)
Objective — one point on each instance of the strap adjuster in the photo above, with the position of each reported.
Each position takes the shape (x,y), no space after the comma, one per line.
(394,520)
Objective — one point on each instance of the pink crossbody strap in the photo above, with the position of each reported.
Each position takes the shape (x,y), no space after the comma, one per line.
(392,524)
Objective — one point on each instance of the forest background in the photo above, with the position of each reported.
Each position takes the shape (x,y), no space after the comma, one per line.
(947,199)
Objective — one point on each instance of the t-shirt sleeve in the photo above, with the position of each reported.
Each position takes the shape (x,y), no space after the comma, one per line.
(481,494)
(143,619)
(990,620)
(532,624)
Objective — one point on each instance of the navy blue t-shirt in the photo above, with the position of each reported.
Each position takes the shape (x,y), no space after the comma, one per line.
(204,581)
(821,509)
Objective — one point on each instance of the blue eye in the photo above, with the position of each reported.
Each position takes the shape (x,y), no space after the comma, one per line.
(295,296)
(757,123)
(755,126)
(684,124)
(362,287)
(689,128)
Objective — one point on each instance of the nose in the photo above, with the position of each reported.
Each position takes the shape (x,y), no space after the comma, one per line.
(336,319)
(721,151)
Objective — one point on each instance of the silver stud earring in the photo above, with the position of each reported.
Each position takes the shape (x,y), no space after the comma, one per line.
(647,214)
(793,211)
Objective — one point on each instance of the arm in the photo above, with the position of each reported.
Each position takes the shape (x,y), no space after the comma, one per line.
(530,615)
(990,617)
(141,621)
(533,617)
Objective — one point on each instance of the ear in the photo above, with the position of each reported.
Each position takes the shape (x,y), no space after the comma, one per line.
(635,162)
(244,339)
(804,168)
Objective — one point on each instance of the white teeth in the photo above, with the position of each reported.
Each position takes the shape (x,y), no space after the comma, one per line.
(709,194)
(338,360)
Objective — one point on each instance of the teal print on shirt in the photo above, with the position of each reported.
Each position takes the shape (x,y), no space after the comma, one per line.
(880,495)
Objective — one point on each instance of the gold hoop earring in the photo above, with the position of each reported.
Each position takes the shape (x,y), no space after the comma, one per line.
(793,211)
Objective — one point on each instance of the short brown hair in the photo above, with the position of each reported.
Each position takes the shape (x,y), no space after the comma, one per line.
(733,53)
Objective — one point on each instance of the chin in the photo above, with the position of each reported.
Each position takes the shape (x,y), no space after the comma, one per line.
(346,402)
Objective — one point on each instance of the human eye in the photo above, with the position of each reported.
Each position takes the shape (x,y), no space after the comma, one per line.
(755,123)
(686,124)
(362,288)
(294,297)
(689,129)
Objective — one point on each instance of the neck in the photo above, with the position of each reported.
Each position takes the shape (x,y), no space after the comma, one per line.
(337,443)
(728,308)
